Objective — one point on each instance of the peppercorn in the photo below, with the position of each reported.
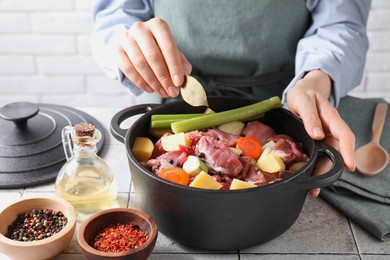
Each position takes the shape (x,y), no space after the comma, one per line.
(36,225)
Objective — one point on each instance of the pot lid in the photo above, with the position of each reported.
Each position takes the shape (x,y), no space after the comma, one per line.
(31,150)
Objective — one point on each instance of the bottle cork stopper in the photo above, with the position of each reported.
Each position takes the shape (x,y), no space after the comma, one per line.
(84,129)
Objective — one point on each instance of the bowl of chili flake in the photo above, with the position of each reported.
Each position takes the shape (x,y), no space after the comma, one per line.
(118,233)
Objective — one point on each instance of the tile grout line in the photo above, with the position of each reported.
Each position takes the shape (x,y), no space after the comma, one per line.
(354,238)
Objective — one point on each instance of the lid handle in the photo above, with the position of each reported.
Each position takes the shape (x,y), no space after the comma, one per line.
(19,113)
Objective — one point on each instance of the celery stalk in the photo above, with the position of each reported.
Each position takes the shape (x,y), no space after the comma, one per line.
(165,123)
(165,120)
(242,113)
(174,116)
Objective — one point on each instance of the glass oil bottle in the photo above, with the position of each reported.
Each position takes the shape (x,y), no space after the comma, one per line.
(85,180)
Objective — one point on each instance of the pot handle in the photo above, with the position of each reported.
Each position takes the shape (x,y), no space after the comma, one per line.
(120,133)
(325,179)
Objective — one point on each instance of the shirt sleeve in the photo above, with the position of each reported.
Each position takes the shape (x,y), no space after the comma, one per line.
(113,17)
(335,43)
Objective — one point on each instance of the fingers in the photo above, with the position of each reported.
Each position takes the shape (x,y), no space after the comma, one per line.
(346,139)
(131,73)
(342,138)
(323,165)
(154,62)
(170,52)
(141,67)
(187,67)
(320,118)
(308,111)
(323,122)
(147,59)
(314,192)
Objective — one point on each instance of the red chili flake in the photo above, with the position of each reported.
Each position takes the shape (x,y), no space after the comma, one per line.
(119,238)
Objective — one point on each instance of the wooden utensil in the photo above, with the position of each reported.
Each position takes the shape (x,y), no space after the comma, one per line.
(372,158)
(193,93)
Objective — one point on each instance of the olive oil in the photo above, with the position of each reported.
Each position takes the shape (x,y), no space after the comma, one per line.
(87,189)
(85,180)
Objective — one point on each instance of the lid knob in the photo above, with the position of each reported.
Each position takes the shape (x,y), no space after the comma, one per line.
(19,112)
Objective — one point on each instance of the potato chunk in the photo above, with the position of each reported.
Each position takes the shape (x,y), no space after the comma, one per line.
(239,184)
(142,148)
(172,142)
(234,127)
(296,166)
(270,162)
(205,181)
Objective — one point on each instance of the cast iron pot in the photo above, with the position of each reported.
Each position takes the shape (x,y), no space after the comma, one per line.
(224,220)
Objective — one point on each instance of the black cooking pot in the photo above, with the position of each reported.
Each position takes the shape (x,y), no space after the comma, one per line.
(224,220)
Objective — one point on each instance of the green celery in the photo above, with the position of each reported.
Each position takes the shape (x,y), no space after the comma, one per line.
(166,123)
(174,116)
(165,120)
(219,118)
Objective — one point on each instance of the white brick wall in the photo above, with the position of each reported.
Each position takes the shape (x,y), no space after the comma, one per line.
(45,55)
(377,71)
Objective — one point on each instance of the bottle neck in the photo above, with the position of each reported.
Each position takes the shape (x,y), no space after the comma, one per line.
(84,150)
(75,145)
(86,145)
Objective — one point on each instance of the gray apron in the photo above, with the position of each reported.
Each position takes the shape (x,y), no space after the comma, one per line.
(238,48)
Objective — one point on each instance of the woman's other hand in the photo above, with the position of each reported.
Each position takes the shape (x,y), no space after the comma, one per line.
(308,99)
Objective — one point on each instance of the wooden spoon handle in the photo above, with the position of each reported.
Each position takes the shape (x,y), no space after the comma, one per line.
(379,121)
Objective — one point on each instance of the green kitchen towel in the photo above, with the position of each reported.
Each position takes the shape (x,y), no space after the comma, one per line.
(366,200)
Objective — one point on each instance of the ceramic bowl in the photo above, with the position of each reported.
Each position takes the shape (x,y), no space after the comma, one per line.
(40,249)
(90,227)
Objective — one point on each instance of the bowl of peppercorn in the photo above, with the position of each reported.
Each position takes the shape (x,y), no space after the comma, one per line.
(36,228)
(118,233)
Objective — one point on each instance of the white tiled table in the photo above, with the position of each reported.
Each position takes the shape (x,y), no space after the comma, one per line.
(321,232)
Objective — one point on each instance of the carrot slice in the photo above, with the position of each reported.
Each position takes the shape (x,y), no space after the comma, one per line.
(249,146)
(176,175)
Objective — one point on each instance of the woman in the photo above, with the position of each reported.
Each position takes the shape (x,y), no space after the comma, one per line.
(311,53)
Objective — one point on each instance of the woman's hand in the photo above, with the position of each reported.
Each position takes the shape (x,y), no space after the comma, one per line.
(308,99)
(148,56)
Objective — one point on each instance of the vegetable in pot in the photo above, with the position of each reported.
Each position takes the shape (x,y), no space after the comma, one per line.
(219,118)
(249,146)
(172,142)
(205,181)
(194,165)
(142,148)
(270,162)
(227,156)
(239,184)
(234,128)
(176,175)
(165,121)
